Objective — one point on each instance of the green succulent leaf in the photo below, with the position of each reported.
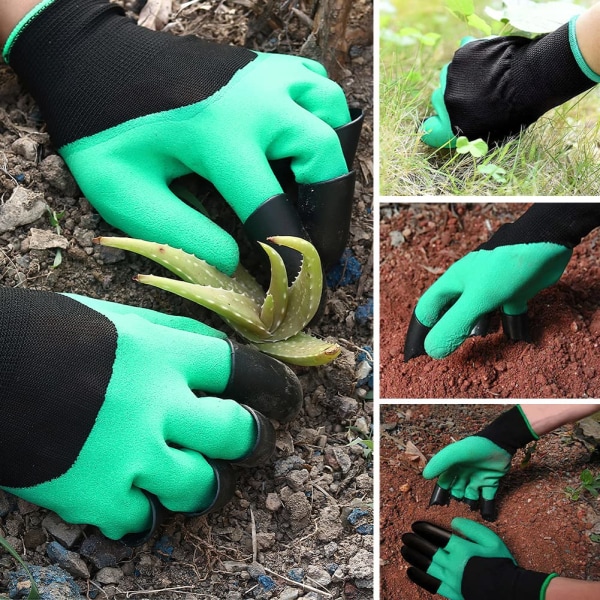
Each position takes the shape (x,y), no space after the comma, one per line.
(274,309)
(187,266)
(236,308)
(305,292)
(301,349)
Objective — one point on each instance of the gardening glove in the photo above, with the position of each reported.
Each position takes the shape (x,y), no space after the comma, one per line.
(469,563)
(99,420)
(496,87)
(517,262)
(131,109)
(471,469)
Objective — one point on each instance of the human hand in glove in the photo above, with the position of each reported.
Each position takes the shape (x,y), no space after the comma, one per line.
(131,109)
(100,422)
(517,262)
(497,86)
(471,469)
(468,563)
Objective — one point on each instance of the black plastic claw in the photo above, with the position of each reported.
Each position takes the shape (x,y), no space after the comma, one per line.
(263,383)
(472,504)
(349,135)
(427,582)
(415,558)
(482,326)
(158,515)
(425,548)
(325,209)
(488,510)
(439,497)
(516,327)
(414,344)
(277,216)
(265,441)
(436,535)
(226,481)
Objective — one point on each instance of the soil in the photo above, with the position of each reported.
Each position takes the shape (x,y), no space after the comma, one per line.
(544,530)
(257,546)
(418,243)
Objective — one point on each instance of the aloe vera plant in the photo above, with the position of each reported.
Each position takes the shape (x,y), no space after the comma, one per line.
(271,321)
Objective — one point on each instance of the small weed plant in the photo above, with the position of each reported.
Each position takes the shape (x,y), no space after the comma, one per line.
(590,484)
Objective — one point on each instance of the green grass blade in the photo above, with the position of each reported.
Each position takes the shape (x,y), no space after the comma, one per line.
(34,593)
(301,349)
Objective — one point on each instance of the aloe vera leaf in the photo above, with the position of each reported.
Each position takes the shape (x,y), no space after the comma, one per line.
(248,285)
(187,266)
(301,349)
(238,310)
(274,308)
(305,293)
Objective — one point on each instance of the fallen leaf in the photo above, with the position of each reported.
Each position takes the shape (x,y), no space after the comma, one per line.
(155,14)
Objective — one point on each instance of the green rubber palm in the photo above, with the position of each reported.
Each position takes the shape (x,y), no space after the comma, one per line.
(95,431)
(506,278)
(130,110)
(469,469)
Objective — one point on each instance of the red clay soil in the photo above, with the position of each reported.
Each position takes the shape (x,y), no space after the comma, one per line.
(544,530)
(563,361)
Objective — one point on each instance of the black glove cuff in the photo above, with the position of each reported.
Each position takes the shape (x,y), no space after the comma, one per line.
(90,68)
(558,223)
(49,396)
(510,431)
(498,86)
(499,579)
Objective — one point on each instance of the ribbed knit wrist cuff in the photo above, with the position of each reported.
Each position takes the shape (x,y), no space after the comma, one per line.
(510,431)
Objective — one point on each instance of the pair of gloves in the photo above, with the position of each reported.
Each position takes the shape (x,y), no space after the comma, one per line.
(102,420)
(471,562)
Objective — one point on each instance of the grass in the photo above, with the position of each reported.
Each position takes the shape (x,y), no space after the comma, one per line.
(558,155)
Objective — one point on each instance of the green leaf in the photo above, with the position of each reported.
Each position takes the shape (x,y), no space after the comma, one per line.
(187,266)
(595,537)
(274,308)
(305,293)
(587,478)
(479,24)
(477,148)
(461,7)
(239,310)
(302,349)
(494,171)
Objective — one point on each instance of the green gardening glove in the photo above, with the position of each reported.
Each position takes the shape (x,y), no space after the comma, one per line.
(131,109)
(469,563)
(517,262)
(100,422)
(471,469)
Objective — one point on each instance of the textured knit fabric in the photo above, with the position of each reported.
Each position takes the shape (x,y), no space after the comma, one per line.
(510,431)
(147,72)
(34,358)
(498,86)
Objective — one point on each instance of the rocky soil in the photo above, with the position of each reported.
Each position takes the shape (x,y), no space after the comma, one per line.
(544,528)
(302,526)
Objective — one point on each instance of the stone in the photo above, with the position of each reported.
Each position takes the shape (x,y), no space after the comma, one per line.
(57,174)
(318,575)
(297,479)
(108,575)
(103,552)
(65,533)
(67,560)
(42,239)
(272,502)
(360,568)
(22,208)
(26,148)
(298,506)
(52,582)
